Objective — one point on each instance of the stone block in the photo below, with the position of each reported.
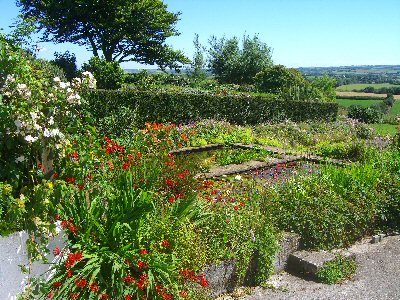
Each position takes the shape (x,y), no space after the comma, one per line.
(289,243)
(222,278)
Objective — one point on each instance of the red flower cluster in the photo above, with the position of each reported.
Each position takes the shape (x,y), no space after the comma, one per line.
(70,180)
(94,287)
(65,224)
(165,244)
(142,265)
(128,279)
(190,275)
(74,156)
(81,282)
(72,259)
(183,175)
(142,282)
(112,146)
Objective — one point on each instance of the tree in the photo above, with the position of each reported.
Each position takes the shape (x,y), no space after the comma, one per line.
(67,62)
(109,74)
(123,30)
(278,78)
(198,62)
(233,64)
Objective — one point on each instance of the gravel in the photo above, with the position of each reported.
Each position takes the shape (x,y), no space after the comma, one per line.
(378,277)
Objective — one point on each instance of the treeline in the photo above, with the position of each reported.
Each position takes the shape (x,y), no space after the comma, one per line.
(394,90)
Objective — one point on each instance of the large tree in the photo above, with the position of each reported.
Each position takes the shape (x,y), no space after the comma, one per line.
(123,30)
(232,63)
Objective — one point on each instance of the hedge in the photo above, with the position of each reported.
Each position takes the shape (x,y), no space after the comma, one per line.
(161,107)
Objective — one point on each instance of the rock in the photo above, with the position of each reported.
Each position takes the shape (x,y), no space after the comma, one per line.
(221,278)
(289,243)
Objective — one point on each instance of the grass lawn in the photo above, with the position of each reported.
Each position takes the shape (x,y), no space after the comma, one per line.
(364,103)
(396,108)
(361,86)
(385,129)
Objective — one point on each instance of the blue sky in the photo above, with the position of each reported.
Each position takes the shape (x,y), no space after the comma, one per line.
(302,33)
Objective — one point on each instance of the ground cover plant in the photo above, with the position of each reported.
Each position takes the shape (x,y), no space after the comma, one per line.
(337,206)
(337,270)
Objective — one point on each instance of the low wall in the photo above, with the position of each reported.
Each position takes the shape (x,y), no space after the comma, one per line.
(13,254)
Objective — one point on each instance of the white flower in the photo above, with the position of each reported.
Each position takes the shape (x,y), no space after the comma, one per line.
(51,120)
(34,115)
(76,82)
(57,79)
(18,123)
(238,177)
(20,159)
(74,99)
(64,85)
(30,139)
(37,126)
(46,132)
(56,132)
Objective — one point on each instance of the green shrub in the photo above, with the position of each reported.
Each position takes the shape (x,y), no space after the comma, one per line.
(109,75)
(163,107)
(337,270)
(364,114)
(337,206)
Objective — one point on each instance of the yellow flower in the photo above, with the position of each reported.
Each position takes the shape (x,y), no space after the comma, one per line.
(20,201)
(7,189)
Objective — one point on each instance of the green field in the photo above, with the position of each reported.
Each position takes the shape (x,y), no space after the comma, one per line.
(385,129)
(396,108)
(362,86)
(364,103)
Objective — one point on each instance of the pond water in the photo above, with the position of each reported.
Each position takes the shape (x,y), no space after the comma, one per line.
(281,173)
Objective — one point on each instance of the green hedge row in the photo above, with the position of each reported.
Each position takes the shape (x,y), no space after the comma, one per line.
(161,107)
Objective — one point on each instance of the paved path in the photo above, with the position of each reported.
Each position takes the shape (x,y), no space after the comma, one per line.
(378,277)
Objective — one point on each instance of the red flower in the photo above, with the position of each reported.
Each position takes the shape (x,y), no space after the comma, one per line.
(50,295)
(74,156)
(170,182)
(183,175)
(142,282)
(128,279)
(94,287)
(183,294)
(69,273)
(142,265)
(57,217)
(236,208)
(128,297)
(104,296)
(202,281)
(55,175)
(64,224)
(74,296)
(81,282)
(143,252)
(70,180)
(165,244)
(172,199)
(56,284)
(166,296)
(81,186)
(126,165)
(57,251)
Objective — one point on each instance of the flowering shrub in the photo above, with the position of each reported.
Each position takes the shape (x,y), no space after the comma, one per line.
(36,114)
(126,211)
